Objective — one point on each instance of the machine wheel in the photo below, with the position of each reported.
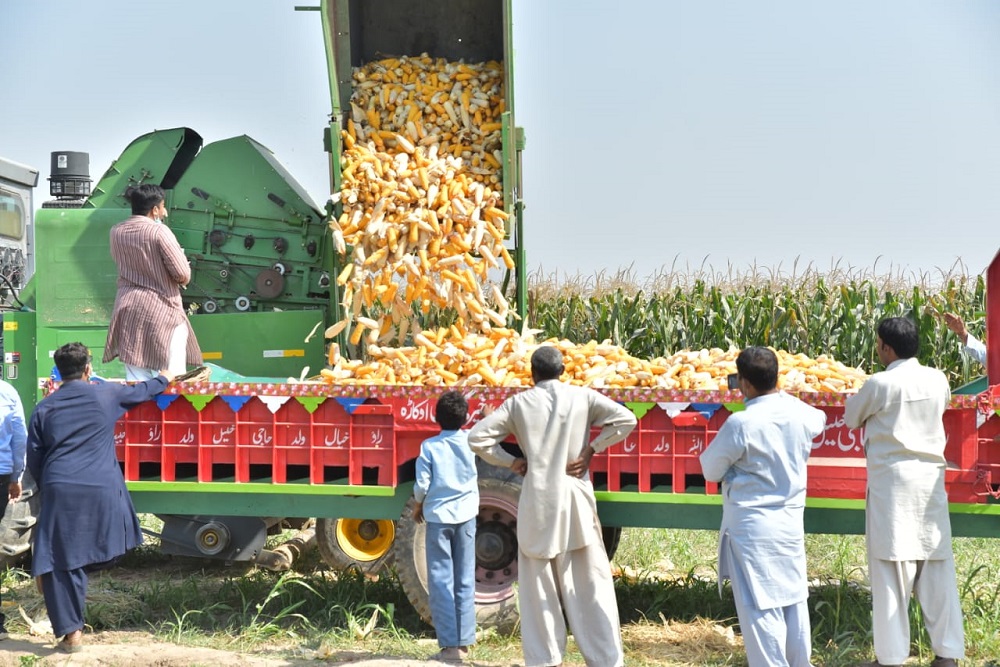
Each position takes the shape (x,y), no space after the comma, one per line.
(17,524)
(496,555)
(359,544)
(612,536)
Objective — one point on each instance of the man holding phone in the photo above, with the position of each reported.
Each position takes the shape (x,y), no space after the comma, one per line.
(760,457)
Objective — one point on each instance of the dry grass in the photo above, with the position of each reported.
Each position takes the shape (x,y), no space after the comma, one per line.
(701,642)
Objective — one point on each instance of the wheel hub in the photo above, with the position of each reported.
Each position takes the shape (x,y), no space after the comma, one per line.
(365,540)
(368,529)
(496,545)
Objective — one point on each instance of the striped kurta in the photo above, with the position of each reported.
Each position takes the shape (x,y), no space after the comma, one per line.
(151,269)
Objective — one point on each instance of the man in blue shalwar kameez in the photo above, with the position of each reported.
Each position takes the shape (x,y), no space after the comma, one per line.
(87,520)
(760,456)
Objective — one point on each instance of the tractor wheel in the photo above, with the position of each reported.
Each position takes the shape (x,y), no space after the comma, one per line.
(17,523)
(364,545)
(496,552)
(612,536)
(496,555)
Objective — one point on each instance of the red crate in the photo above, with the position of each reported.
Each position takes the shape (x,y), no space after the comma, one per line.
(330,441)
(836,477)
(623,459)
(143,435)
(293,437)
(217,431)
(964,486)
(181,437)
(414,423)
(660,446)
(373,443)
(255,436)
(120,441)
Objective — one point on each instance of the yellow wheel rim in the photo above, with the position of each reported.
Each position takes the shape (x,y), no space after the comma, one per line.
(365,540)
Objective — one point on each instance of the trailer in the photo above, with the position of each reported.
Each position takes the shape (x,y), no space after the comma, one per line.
(221,461)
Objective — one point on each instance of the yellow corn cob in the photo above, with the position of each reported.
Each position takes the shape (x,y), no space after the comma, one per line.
(501,356)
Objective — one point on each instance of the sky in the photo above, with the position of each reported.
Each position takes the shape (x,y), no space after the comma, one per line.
(661,134)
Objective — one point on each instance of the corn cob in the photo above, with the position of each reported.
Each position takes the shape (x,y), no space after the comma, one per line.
(502,358)
(422,204)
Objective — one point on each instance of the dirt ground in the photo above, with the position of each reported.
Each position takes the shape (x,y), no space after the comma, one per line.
(122,649)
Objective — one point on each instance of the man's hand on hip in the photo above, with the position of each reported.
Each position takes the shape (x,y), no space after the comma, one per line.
(579,467)
(520,466)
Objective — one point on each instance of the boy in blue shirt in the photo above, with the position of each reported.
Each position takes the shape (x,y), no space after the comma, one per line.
(447,495)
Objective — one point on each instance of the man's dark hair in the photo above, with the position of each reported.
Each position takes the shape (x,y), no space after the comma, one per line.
(71,360)
(546,363)
(900,333)
(452,410)
(144,198)
(758,366)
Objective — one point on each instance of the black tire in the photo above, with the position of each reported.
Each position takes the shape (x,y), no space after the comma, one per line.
(364,545)
(17,524)
(612,537)
(496,554)
(496,551)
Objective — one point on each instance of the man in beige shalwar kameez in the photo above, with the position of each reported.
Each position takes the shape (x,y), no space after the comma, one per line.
(562,565)
(908,530)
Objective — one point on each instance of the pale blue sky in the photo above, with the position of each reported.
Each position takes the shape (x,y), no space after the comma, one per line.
(727,132)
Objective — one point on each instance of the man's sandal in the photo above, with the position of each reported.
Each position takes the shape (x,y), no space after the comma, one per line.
(68,646)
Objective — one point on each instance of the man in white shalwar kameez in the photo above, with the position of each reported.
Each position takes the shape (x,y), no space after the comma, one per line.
(908,530)
(562,565)
(971,346)
(760,457)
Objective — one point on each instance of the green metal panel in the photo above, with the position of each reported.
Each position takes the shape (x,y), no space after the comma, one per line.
(34,347)
(975,387)
(250,230)
(76,278)
(254,344)
(337,37)
(158,157)
(263,344)
(651,510)
(328,500)
(822,515)
(51,339)
(240,178)
(20,343)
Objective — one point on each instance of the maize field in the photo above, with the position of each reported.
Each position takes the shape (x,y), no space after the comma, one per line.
(814,313)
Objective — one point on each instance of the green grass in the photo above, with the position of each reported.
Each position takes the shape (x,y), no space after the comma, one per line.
(840,603)
(671,579)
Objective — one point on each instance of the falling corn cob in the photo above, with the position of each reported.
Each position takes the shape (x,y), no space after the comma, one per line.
(422,101)
(423,218)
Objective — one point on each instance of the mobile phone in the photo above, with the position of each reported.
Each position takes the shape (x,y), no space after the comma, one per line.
(733,381)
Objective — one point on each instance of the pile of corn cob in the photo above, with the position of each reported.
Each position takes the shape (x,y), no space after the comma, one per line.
(502,358)
(422,204)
